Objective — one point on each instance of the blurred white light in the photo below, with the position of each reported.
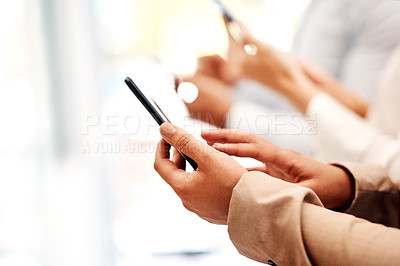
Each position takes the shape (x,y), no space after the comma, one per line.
(17,114)
(18,259)
(187,92)
(251,49)
(11,14)
(182,62)
(115,24)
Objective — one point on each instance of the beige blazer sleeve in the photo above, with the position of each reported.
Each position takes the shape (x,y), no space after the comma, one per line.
(377,197)
(273,220)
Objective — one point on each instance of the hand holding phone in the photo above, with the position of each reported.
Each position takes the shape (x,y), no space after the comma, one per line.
(158,115)
(235,32)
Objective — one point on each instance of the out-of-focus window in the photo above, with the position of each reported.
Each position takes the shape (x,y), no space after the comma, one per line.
(177,31)
(25,135)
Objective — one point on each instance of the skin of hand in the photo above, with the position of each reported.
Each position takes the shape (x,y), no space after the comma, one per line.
(216,67)
(297,80)
(215,76)
(332,86)
(275,69)
(207,191)
(333,185)
(213,101)
(235,55)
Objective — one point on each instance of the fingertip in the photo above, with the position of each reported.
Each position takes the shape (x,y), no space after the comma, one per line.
(168,170)
(179,160)
(167,130)
(162,152)
(210,143)
(205,134)
(210,132)
(219,146)
(163,146)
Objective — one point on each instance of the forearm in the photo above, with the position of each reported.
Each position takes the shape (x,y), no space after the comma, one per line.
(273,220)
(300,93)
(344,136)
(376,195)
(338,239)
(264,219)
(352,101)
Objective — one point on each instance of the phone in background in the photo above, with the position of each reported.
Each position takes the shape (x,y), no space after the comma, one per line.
(224,11)
(156,112)
(234,30)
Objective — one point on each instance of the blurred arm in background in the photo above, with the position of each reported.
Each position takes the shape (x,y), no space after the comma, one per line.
(350,40)
(343,132)
(348,128)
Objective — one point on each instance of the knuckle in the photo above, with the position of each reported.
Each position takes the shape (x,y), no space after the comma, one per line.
(206,153)
(257,151)
(250,138)
(284,153)
(290,153)
(293,160)
(156,165)
(183,141)
(187,206)
(182,189)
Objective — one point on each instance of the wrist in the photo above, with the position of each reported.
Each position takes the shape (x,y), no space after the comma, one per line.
(300,92)
(345,189)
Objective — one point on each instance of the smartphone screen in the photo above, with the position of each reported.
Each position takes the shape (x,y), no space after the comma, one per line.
(155,111)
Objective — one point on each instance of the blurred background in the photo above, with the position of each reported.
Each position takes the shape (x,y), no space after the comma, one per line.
(77,185)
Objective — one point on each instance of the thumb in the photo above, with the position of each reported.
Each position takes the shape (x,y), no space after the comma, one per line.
(184,142)
(246,34)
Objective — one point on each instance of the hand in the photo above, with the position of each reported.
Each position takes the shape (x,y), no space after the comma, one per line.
(332,184)
(317,75)
(215,67)
(277,70)
(207,191)
(227,71)
(329,84)
(269,67)
(236,50)
(236,53)
(213,101)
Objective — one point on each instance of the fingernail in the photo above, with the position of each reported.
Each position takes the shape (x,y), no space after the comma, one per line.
(167,130)
(216,145)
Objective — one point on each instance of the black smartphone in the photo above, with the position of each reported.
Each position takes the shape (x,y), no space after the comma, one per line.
(234,30)
(224,11)
(156,112)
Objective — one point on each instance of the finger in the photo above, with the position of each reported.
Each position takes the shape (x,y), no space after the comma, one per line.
(210,143)
(269,171)
(185,143)
(226,21)
(226,136)
(210,65)
(239,149)
(179,160)
(167,169)
(315,72)
(258,168)
(275,172)
(246,34)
